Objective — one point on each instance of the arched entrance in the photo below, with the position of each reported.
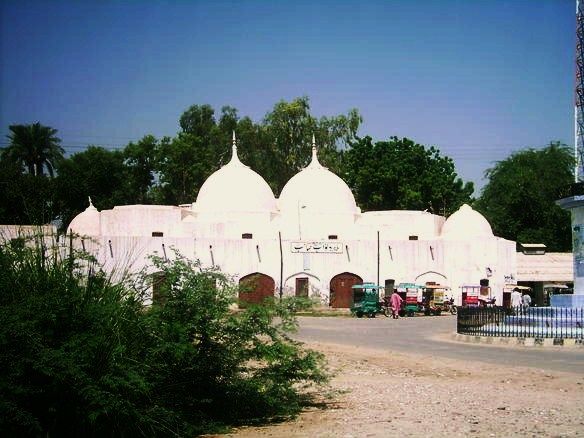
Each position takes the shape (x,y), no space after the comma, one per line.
(255,288)
(431,276)
(341,292)
(301,283)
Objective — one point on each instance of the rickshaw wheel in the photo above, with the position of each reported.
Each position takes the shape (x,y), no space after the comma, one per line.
(453,310)
(359,314)
(371,315)
(438,312)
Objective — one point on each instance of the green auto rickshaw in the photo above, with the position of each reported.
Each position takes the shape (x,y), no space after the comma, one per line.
(411,294)
(366,301)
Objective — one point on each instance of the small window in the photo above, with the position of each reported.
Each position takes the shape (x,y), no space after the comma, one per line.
(413,237)
(333,237)
(157,234)
(246,236)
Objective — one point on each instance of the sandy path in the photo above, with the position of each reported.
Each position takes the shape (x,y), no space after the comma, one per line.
(378,394)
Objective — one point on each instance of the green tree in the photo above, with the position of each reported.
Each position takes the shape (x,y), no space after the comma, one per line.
(277,147)
(187,160)
(401,174)
(95,172)
(81,356)
(35,147)
(519,199)
(140,163)
(198,120)
(289,128)
(183,164)
(228,120)
(24,198)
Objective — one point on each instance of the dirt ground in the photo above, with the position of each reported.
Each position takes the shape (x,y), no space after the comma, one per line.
(383,394)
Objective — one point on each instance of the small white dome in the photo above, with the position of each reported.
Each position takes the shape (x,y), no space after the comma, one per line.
(318,190)
(235,188)
(466,224)
(86,223)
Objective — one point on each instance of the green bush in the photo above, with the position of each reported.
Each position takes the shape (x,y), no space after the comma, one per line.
(81,355)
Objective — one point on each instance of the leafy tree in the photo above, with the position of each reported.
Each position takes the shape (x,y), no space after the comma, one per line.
(183,164)
(25,198)
(277,147)
(198,120)
(36,199)
(140,163)
(228,120)
(95,172)
(240,365)
(401,174)
(81,356)
(187,160)
(256,149)
(11,201)
(36,147)
(519,199)
(289,128)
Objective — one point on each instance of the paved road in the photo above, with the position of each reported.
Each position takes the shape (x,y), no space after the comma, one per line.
(418,335)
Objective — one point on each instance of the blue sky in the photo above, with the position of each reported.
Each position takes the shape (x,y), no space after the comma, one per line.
(477,79)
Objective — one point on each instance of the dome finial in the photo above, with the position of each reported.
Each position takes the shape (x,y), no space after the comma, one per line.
(90,206)
(234,157)
(314,162)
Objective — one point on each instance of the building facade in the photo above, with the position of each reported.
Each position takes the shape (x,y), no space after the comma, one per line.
(312,241)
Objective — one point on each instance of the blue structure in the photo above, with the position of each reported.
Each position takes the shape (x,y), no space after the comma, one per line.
(567,301)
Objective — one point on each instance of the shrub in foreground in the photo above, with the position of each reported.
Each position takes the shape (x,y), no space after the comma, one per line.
(80,355)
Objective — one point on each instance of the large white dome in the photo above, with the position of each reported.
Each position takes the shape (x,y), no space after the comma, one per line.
(466,224)
(235,188)
(317,190)
(86,223)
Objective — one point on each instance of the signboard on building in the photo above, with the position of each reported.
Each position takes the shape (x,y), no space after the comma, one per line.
(317,247)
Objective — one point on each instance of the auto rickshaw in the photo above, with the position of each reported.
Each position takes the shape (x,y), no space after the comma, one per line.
(470,295)
(366,301)
(411,294)
(433,298)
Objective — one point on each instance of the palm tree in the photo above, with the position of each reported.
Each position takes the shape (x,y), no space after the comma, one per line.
(35,147)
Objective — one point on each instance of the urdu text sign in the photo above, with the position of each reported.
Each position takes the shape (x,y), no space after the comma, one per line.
(317,247)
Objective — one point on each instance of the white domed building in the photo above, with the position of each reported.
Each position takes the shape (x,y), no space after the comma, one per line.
(237,197)
(317,203)
(312,241)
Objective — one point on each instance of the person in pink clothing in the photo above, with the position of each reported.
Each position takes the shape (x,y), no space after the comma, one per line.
(396,303)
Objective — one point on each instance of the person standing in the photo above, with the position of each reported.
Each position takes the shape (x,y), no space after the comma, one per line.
(526,301)
(396,302)
(516,300)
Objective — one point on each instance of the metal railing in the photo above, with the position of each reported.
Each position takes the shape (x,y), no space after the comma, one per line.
(522,322)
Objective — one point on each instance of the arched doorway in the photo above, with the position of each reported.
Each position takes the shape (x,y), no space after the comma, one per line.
(301,283)
(341,292)
(255,288)
(431,276)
